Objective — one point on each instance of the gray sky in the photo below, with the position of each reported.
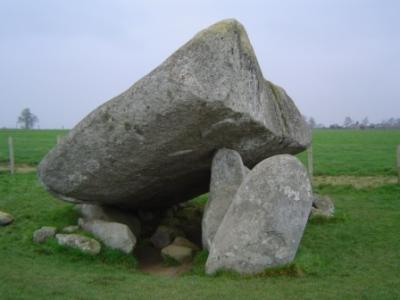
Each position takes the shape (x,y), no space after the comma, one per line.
(62,59)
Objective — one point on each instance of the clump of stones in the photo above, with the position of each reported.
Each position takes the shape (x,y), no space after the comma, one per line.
(205,120)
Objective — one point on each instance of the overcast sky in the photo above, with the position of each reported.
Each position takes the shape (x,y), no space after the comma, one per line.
(62,59)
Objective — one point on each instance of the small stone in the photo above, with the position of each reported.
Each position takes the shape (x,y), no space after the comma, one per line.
(111,214)
(180,254)
(227,173)
(70,229)
(164,236)
(181,241)
(322,206)
(91,211)
(114,235)
(42,234)
(82,243)
(5,218)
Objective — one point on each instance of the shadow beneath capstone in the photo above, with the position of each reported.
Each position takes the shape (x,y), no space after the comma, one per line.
(150,261)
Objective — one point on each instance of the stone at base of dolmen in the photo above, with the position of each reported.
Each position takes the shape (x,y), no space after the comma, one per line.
(322,206)
(265,222)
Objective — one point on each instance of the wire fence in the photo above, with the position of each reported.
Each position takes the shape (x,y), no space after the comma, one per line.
(327,156)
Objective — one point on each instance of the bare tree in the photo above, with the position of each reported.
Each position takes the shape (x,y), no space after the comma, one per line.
(27,119)
(348,122)
(365,122)
(311,122)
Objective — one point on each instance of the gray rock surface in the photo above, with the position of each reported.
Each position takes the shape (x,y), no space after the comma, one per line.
(5,218)
(91,212)
(266,219)
(183,242)
(322,206)
(70,229)
(114,235)
(227,173)
(42,234)
(186,219)
(82,243)
(164,236)
(152,145)
(180,254)
(111,214)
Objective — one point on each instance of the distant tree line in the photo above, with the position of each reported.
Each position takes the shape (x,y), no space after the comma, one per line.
(349,123)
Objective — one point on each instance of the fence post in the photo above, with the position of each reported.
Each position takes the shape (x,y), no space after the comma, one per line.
(310,163)
(398,164)
(11,155)
(58,139)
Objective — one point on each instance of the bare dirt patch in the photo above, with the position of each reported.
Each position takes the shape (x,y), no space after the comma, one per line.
(151,262)
(21,168)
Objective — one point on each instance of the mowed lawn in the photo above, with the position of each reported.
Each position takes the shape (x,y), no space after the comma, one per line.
(336,152)
(354,256)
(30,146)
(355,152)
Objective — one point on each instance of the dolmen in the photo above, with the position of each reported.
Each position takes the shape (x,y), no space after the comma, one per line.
(205,120)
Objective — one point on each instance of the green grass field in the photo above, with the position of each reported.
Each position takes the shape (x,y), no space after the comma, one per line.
(355,152)
(336,152)
(354,256)
(30,146)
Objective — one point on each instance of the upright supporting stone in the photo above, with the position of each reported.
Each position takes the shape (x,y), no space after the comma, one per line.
(11,155)
(227,173)
(398,164)
(58,139)
(310,162)
(266,219)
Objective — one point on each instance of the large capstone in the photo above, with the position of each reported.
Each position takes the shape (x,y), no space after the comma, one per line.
(152,145)
(265,222)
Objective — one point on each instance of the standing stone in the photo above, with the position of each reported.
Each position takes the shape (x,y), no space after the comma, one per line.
(227,173)
(114,235)
(82,243)
(152,146)
(266,219)
(42,234)
(5,218)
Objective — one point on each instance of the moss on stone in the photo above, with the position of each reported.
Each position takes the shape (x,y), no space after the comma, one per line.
(225,26)
(278,100)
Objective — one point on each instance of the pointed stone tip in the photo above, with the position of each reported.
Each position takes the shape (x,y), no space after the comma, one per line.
(227,27)
(224,26)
